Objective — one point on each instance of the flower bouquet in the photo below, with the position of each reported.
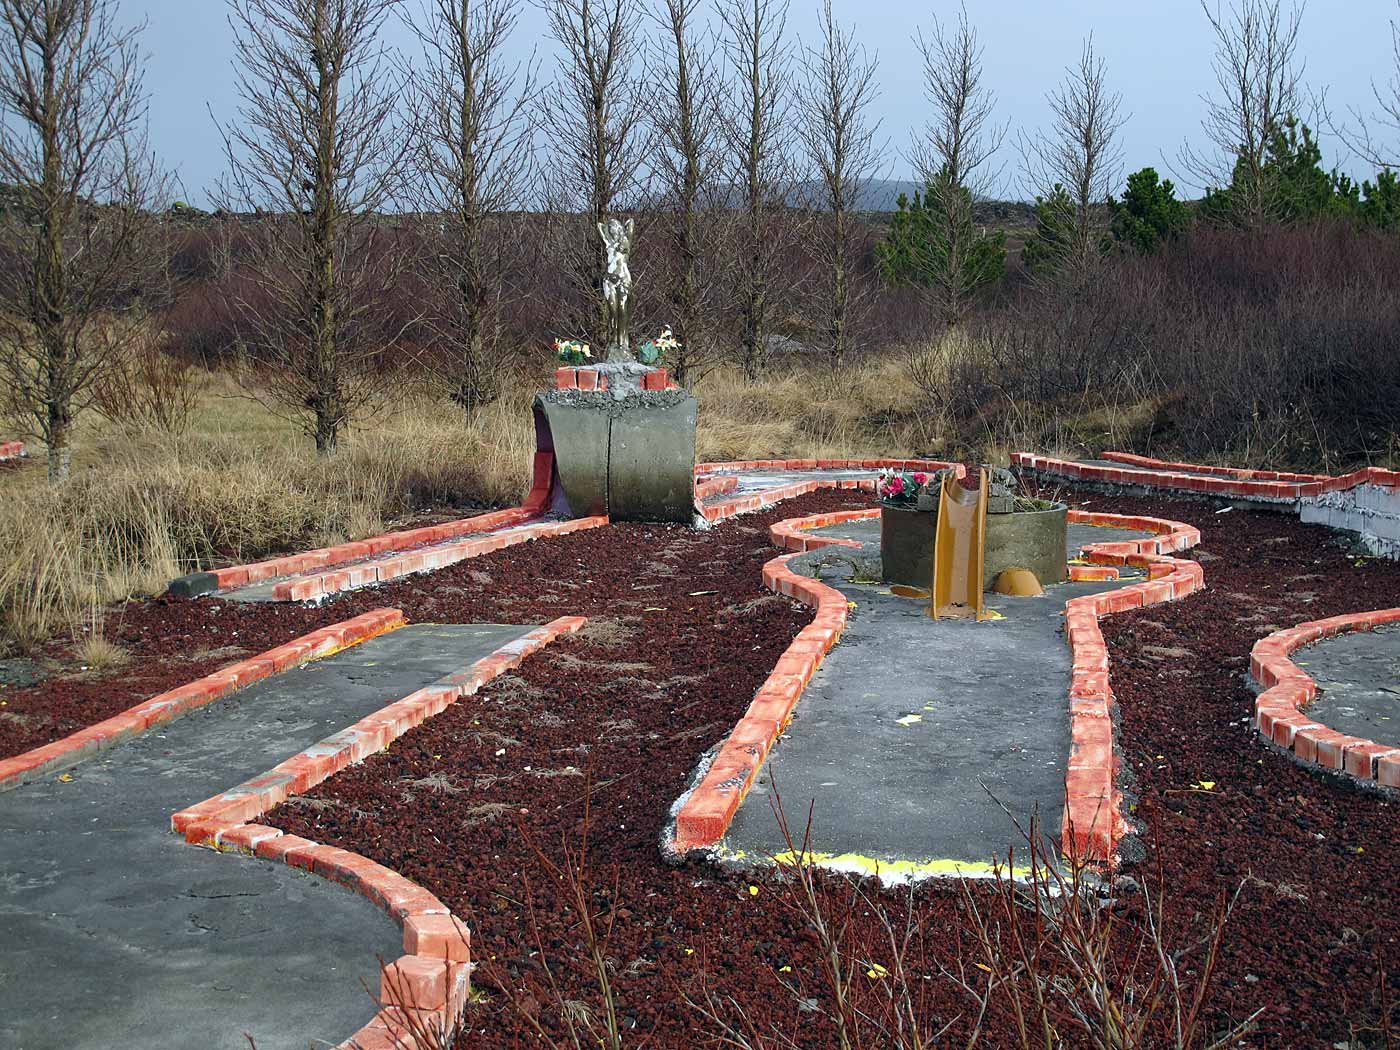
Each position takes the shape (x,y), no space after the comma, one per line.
(651,351)
(571,352)
(898,488)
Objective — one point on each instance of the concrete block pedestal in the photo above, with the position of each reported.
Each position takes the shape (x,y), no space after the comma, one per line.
(623,439)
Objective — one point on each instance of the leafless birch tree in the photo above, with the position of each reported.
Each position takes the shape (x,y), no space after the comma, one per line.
(592,121)
(840,138)
(319,150)
(73,149)
(759,136)
(1258,78)
(687,158)
(953,157)
(473,164)
(1367,138)
(1076,165)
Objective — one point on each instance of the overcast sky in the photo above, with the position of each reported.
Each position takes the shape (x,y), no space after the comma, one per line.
(1158,53)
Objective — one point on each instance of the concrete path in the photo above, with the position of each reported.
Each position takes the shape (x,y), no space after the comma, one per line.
(914,734)
(759,480)
(1358,677)
(115,934)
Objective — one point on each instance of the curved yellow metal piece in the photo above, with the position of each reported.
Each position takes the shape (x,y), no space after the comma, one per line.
(960,550)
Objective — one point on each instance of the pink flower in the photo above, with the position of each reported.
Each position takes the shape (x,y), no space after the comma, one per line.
(895,487)
(920,479)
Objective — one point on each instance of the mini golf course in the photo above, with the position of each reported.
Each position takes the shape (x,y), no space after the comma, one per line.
(378,794)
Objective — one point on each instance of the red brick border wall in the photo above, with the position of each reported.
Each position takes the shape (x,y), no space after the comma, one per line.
(1232,485)
(235,576)
(11,450)
(433,974)
(587,378)
(928,465)
(1280,711)
(767,497)
(169,705)
(705,814)
(1241,473)
(306,588)
(1093,821)
(1166,479)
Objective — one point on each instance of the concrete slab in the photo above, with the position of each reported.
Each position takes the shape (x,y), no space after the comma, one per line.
(1358,675)
(753,481)
(117,934)
(914,734)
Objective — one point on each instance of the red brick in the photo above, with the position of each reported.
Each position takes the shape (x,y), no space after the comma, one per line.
(1360,759)
(437,937)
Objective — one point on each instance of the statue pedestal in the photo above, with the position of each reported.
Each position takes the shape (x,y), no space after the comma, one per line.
(623,439)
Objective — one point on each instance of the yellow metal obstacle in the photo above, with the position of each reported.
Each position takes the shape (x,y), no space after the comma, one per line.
(959,550)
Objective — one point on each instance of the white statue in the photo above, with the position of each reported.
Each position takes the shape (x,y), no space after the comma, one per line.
(617,287)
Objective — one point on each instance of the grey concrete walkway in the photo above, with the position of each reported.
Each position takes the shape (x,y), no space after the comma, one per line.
(1358,675)
(752,481)
(115,934)
(914,734)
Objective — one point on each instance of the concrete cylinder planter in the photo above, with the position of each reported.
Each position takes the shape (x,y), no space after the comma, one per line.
(1030,539)
(1037,540)
(906,545)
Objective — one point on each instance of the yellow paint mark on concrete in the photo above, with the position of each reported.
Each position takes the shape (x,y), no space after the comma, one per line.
(909,720)
(895,871)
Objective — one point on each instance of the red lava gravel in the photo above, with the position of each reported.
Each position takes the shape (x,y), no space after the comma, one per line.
(680,636)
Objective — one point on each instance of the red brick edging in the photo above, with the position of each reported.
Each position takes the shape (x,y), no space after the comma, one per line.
(79,746)
(1279,711)
(308,588)
(235,576)
(1233,481)
(704,815)
(11,450)
(1242,473)
(1093,820)
(432,977)
(589,378)
(767,497)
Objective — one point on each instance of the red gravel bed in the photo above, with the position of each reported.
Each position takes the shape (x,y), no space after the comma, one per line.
(663,672)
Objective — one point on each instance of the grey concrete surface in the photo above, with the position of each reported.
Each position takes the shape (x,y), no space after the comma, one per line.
(651,462)
(752,481)
(1358,675)
(915,733)
(577,433)
(116,934)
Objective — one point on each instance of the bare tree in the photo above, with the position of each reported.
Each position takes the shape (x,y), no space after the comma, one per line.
(840,138)
(1365,139)
(474,162)
(318,150)
(82,186)
(953,157)
(1076,165)
(592,118)
(759,136)
(1258,78)
(688,153)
